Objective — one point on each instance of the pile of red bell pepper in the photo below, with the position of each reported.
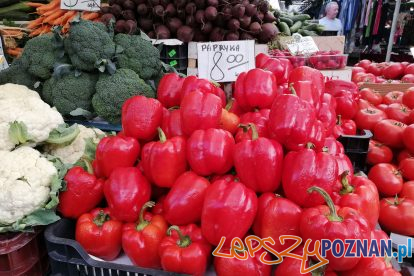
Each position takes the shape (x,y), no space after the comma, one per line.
(190,168)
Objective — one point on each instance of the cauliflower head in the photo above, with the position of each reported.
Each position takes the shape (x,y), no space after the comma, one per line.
(70,154)
(25,183)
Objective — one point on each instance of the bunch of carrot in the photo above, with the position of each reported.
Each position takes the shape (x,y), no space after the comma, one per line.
(51,15)
(10,36)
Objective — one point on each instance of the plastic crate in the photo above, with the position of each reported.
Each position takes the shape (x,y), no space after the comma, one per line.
(23,254)
(175,56)
(328,62)
(67,257)
(356,148)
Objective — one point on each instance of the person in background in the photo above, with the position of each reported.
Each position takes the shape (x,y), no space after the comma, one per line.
(330,22)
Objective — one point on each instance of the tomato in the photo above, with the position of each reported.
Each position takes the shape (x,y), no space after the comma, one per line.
(393,97)
(367,118)
(398,112)
(364,77)
(409,78)
(407,168)
(378,153)
(365,63)
(409,69)
(356,70)
(408,97)
(373,68)
(369,95)
(364,104)
(411,117)
(405,64)
(387,178)
(397,215)
(403,155)
(393,71)
(390,132)
(408,137)
(407,190)
(380,80)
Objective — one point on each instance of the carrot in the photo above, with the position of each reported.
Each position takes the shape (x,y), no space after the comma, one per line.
(51,18)
(35,23)
(34,4)
(50,12)
(8,32)
(43,29)
(51,6)
(90,16)
(14,52)
(62,20)
(68,20)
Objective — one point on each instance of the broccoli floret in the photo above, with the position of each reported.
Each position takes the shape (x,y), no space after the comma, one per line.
(138,55)
(71,92)
(113,90)
(17,73)
(87,44)
(39,56)
(47,91)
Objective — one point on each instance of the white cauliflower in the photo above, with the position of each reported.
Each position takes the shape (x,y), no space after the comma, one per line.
(25,183)
(24,108)
(70,154)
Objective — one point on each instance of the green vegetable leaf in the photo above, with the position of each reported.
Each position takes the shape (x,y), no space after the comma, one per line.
(61,69)
(144,36)
(90,149)
(82,112)
(63,134)
(18,133)
(78,73)
(37,84)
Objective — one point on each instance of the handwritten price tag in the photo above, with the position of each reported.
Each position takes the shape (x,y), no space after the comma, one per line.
(224,61)
(81,5)
(302,45)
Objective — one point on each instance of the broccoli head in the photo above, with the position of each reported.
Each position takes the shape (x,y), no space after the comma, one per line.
(88,43)
(17,73)
(113,90)
(71,92)
(138,55)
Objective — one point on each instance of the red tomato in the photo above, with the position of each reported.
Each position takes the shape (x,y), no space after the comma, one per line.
(409,78)
(411,117)
(405,64)
(393,71)
(398,112)
(365,63)
(367,118)
(397,215)
(380,80)
(407,168)
(387,178)
(364,77)
(382,107)
(378,153)
(408,97)
(407,190)
(409,69)
(408,137)
(356,70)
(393,97)
(369,95)
(373,68)
(404,154)
(390,132)
(364,104)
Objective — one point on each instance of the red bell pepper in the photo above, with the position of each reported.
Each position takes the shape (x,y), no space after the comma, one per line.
(317,135)
(288,67)
(346,105)
(273,208)
(255,89)
(360,194)
(228,211)
(141,241)
(200,111)
(259,162)
(304,73)
(158,209)
(304,169)
(290,121)
(169,90)
(115,152)
(344,165)
(99,234)
(327,113)
(233,107)
(83,192)
(192,83)
(126,191)
(184,202)
(171,123)
(225,177)
(334,87)
(184,250)
(251,266)
(259,119)
(333,146)
(344,127)
(307,91)
(273,65)
(210,151)
(377,266)
(141,116)
(331,222)
(164,161)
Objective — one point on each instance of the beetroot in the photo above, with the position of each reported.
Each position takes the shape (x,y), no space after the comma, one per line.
(128,15)
(142,9)
(251,10)
(227,13)
(116,10)
(232,36)
(258,17)
(263,6)
(207,27)
(181,14)
(159,10)
(246,36)
(238,11)
(165,3)
(120,26)
(128,5)
(211,13)
(220,21)
(190,21)
(185,33)
(199,17)
(199,36)
(217,34)
(152,35)
(233,24)
(200,4)
(130,27)
(162,32)
(269,17)
(190,8)
(255,28)
(180,3)
(105,9)
(170,10)
(213,3)
(269,31)
(155,2)
(145,24)
(174,24)
(107,17)
(245,22)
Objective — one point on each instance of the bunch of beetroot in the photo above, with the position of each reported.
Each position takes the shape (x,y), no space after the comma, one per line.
(199,20)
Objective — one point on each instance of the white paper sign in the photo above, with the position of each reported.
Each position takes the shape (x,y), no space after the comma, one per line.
(412,51)
(81,5)
(224,61)
(3,61)
(302,45)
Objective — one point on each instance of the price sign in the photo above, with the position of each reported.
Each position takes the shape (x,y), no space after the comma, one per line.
(3,61)
(81,5)
(302,45)
(224,61)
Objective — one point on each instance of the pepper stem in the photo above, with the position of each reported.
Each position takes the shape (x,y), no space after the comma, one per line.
(292,89)
(229,104)
(255,134)
(142,223)
(339,120)
(184,240)
(161,135)
(244,127)
(101,218)
(88,165)
(310,145)
(333,216)
(346,187)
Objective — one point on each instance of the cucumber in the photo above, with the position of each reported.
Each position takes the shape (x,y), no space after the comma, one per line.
(284,28)
(296,27)
(5,3)
(301,17)
(307,33)
(311,27)
(21,7)
(320,28)
(287,20)
(16,16)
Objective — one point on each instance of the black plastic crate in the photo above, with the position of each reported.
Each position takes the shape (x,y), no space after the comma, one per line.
(175,56)
(356,143)
(67,257)
(358,160)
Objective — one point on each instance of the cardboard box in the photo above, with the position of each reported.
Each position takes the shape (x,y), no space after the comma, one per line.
(384,88)
(339,74)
